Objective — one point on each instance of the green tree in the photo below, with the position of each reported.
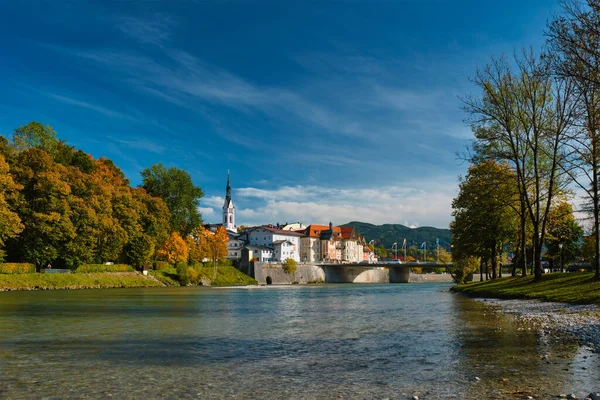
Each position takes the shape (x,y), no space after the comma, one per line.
(484,220)
(463,267)
(182,197)
(140,250)
(34,135)
(289,266)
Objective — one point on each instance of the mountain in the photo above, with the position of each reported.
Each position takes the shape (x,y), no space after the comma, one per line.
(387,234)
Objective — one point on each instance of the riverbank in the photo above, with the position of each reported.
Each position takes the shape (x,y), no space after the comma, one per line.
(578,323)
(572,288)
(98,280)
(223,275)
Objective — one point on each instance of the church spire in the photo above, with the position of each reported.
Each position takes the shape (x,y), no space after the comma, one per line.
(228,207)
(228,190)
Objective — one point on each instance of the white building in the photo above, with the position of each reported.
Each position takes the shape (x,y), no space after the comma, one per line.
(274,238)
(259,253)
(234,246)
(228,209)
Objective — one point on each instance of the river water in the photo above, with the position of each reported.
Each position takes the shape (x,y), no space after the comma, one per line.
(324,341)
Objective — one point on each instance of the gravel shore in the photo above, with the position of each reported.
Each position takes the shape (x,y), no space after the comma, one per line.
(556,321)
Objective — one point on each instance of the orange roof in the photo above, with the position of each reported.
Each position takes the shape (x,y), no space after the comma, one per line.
(314,231)
(346,231)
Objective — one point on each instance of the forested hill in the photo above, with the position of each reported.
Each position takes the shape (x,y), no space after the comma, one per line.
(387,234)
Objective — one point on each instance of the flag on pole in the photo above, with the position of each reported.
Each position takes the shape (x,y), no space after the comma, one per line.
(437,241)
(423,245)
(404,244)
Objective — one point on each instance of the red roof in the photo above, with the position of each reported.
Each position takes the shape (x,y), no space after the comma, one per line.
(314,231)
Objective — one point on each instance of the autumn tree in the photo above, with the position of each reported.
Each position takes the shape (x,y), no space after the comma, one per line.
(44,207)
(218,245)
(174,250)
(182,197)
(563,230)
(444,257)
(484,218)
(10,223)
(574,44)
(525,118)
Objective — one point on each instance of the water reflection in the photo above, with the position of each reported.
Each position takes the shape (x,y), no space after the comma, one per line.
(326,341)
(501,357)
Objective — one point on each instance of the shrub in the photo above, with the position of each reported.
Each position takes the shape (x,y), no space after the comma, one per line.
(182,274)
(416,270)
(17,268)
(87,268)
(194,276)
(158,265)
(289,266)
(439,270)
(461,269)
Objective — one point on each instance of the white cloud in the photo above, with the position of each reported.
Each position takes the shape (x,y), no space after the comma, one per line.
(208,213)
(213,201)
(317,204)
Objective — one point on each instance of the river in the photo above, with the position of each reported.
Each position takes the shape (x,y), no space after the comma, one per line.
(323,341)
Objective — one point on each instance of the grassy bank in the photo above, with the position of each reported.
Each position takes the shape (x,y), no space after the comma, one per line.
(75,281)
(225,276)
(576,288)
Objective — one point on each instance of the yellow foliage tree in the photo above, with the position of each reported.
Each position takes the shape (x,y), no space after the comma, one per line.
(218,245)
(174,250)
(10,223)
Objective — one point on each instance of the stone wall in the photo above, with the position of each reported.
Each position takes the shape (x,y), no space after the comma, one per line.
(273,273)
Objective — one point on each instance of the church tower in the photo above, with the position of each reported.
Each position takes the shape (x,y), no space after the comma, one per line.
(228,208)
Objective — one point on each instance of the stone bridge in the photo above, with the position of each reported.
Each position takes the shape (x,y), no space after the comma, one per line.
(267,273)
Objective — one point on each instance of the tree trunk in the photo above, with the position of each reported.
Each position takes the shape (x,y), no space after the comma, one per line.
(480,271)
(537,255)
(523,259)
(494,262)
(596,201)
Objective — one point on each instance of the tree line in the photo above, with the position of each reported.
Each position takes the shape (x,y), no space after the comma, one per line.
(59,205)
(536,139)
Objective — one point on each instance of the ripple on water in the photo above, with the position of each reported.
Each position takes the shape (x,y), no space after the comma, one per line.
(348,341)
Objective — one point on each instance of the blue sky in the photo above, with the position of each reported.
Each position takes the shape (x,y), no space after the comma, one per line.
(321,110)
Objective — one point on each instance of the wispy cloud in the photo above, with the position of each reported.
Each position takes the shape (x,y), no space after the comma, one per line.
(154,30)
(143,144)
(80,103)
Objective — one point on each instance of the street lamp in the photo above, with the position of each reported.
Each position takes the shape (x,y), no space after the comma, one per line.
(560,246)
(373,256)
(395,245)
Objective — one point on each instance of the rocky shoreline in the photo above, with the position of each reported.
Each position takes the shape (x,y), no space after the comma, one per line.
(555,321)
